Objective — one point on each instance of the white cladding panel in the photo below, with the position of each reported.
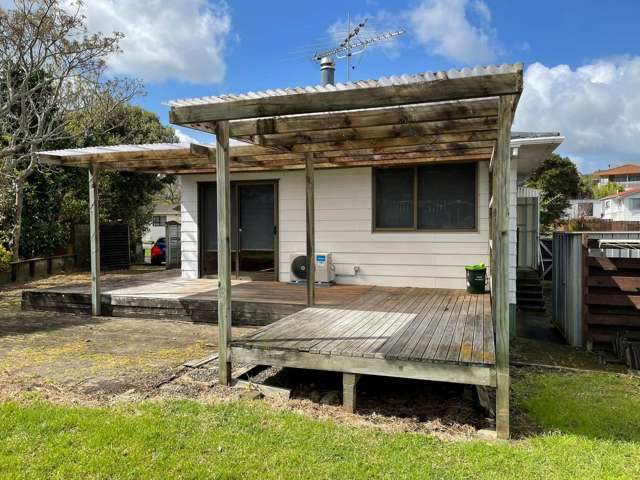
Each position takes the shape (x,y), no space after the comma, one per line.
(343,200)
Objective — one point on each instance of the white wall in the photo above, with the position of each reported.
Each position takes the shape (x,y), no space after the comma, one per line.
(343,227)
(621,209)
(513,232)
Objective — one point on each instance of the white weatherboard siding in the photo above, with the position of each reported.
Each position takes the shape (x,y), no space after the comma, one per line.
(513,226)
(343,200)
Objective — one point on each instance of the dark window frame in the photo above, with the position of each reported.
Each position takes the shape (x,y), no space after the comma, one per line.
(414,228)
(157,220)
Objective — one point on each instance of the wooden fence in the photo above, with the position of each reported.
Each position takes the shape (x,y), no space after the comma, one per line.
(611,292)
(596,291)
(25,270)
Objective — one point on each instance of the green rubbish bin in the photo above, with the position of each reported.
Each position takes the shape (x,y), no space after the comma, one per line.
(476,278)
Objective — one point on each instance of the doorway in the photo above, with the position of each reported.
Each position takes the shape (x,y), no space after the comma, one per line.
(254,232)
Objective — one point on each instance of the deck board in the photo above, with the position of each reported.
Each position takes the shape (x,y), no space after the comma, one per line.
(401,324)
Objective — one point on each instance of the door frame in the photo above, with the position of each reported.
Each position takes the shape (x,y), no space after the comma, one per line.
(276,219)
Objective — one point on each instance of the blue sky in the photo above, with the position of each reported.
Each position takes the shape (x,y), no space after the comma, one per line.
(582,58)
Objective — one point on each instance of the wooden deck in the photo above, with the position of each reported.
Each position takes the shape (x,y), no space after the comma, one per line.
(166,295)
(429,334)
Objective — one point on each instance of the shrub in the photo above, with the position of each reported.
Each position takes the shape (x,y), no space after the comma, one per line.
(5,258)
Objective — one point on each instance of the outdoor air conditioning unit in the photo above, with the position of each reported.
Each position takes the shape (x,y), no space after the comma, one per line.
(324,268)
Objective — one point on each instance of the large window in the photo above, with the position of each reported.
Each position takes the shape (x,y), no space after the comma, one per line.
(635,204)
(429,197)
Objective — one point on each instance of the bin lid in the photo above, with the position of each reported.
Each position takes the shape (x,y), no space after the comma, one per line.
(479,266)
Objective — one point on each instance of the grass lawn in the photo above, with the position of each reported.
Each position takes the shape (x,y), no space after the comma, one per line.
(591,423)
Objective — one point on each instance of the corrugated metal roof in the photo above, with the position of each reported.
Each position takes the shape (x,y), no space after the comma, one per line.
(521,135)
(626,193)
(404,79)
(127,148)
(147,147)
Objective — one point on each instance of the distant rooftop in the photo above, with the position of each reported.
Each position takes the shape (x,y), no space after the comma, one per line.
(627,169)
(626,193)
(519,135)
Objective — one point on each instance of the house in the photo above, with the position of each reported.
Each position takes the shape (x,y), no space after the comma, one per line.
(623,206)
(404,226)
(628,176)
(402,180)
(162,213)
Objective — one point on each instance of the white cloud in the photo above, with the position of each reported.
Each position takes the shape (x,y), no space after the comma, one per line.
(184,137)
(595,106)
(183,40)
(459,30)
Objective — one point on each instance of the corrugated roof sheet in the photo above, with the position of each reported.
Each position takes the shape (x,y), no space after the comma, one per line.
(626,193)
(380,82)
(126,148)
(519,135)
(147,147)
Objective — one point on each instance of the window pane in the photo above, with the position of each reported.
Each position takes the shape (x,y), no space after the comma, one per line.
(447,196)
(394,198)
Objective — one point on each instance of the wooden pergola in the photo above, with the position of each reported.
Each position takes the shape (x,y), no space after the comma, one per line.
(459,115)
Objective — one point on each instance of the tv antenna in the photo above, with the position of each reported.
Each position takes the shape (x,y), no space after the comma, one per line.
(355,45)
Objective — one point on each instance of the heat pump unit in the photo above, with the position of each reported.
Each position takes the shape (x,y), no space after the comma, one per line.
(324,268)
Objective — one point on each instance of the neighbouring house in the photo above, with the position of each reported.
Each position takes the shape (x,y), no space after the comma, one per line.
(583,208)
(628,176)
(623,206)
(162,213)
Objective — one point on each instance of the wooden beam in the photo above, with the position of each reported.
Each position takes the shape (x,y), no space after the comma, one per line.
(349,390)
(501,174)
(383,131)
(433,149)
(94,240)
(436,372)
(311,230)
(331,100)
(484,107)
(223,190)
(396,142)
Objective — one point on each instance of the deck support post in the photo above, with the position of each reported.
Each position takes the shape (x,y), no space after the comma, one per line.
(311,231)
(94,240)
(349,383)
(501,174)
(223,192)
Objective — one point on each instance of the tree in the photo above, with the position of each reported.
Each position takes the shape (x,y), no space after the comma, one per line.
(558,179)
(57,198)
(607,189)
(586,186)
(50,68)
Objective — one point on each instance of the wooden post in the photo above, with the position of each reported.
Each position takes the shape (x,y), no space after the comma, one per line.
(311,231)
(223,190)
(501,181)
(586,337)
(349,389)
(94,240)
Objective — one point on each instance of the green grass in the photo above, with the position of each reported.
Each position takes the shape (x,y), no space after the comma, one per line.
(593,420)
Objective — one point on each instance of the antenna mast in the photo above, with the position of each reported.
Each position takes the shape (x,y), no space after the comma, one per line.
(354,45)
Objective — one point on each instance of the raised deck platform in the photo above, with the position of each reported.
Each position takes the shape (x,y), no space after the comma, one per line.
(429,334)
(166,295)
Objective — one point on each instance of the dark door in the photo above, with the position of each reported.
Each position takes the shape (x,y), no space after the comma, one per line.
(253,228)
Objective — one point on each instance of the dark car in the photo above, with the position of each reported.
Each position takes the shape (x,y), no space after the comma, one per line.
(159,252)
